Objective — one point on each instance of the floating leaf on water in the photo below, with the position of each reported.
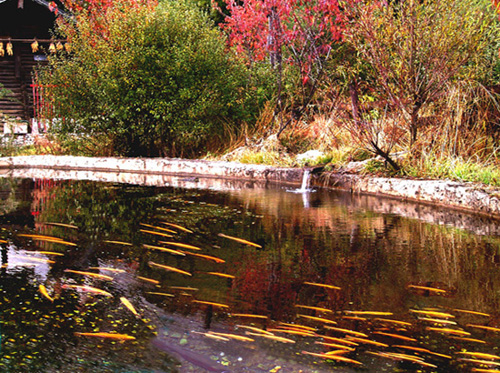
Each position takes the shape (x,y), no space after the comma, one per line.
(164,249)
(90,274)
(178,244)
(426,288)
(345,331)
(397,336)
(150,280)
(221,274)
(177,227)
(319,309)
(240,240)
(168,268)
(114,336)
(472,312)
(322,285)
(129,305)
(118,242)
(210,303)
(44,292)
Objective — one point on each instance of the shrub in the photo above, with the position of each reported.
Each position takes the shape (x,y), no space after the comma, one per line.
(155,80)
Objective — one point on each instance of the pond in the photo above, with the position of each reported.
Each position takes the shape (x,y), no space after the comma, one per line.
(113,277)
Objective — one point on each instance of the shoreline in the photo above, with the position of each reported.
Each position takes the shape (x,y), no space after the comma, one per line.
(469,197)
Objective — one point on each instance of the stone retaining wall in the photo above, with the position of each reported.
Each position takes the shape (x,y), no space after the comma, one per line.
(464,196)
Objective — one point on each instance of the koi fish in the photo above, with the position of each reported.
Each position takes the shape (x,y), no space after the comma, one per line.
(433,313)
(319,309)
(438,321)
(233,336)
(118,242)
(183,288)
(468,339)
(254,329)
(435,290)
(481,362)
(297,326)
(168,268)
(211,303)
(320,319)
(47,253)
(339,340)
(448,331)
(212,336)
(44,292)
(370,313)
(114,336)
(323,285)
(271,337)
(394,321)
(479,355)
(90,274)
(248,315)
(296,332)
(159,228)
(335,345)
(175,252)
(129,305)
(156,233)
(489,328)
(419,349)
(177,227)
(221,274)
(472,312)
(367,341)
(178,244)
(346,331)
(208,257)
(333,357)
(87,289)
(397,336)
(240,240)
(150,280)
(158,293)
(39,260)
(108,269)
(63,225)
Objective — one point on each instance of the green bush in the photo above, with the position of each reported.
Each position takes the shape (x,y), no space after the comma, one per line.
(155,82)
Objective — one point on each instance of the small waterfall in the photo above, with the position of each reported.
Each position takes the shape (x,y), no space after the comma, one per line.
(306,178)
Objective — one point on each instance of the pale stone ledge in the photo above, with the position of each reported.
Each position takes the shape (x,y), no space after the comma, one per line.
(464,196)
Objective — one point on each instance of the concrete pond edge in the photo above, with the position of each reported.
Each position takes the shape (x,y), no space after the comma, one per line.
(469,197)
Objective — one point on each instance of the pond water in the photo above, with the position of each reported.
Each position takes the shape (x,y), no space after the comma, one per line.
(322,281)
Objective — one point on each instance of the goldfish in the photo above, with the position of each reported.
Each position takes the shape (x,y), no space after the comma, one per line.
(221,274)
(272,337)
(63,225)
(119,243)
(319,309)
(489,328)
(435,290)
(177,227)
(434,314)
(182,245)
(156,233)
(233,336)
(129,305)
(248,315)
(90,274)
(335,345)
(87,289)
(346,331)
(333,357)
(240,240)
(159,228)
(397,336)
(208,257)
(115,336)
(323,285)
(168,268)
(367,341)
(254,329)
(472,312)
(320,319)
(479,355)
(211,303)
(449,331)
(369,313)
(150,280)
(157,293)
(44,292)
(108,269)
(159,248)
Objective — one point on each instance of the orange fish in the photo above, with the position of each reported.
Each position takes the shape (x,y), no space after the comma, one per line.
(114,336)
(87,289)
(178,244)
(366,341)
(150,280)
(156,233)
(108,269)
(435,290)
(168,268)
(208,257)
(129,305)
(397,336)
(119,243)
(211,303)
(272,337)
(90,274)
(333,357)
(221,274)
(322,285)
(233,336)
(240,240)
(44,292)
(489,328)
(248,315)
(157,293)
(177,227)
(472,312)
(159,228)
(320,319)
(159,248)
(346,331)
(319,309)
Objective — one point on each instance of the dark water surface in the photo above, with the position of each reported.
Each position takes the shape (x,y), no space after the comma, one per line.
(327,272)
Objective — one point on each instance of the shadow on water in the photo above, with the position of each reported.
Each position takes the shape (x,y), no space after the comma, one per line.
(240,280)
